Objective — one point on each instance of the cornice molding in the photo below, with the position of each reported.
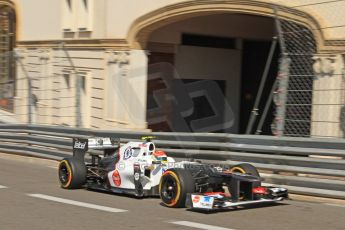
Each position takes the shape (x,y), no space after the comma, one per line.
(119,44)
(6,3)
(142,27)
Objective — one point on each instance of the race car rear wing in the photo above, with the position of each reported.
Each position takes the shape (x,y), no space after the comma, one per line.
(82,145)
(103,143)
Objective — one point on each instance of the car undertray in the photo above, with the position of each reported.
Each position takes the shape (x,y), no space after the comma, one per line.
(132,192)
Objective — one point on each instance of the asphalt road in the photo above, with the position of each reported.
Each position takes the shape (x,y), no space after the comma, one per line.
(31,198)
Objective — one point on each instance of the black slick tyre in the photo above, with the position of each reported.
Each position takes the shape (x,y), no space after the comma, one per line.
(72,173)
(245,168)
(174,186)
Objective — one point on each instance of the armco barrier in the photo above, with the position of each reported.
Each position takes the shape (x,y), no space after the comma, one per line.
(307,166)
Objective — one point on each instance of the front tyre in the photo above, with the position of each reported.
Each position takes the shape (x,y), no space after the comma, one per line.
(174,186)
(245,168)
(72,173)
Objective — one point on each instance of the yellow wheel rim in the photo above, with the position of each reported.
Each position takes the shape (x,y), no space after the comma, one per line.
(69,170)
(238,169)
(178,192)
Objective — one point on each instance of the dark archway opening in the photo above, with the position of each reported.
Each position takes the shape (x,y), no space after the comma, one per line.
(255,54)
(204,73)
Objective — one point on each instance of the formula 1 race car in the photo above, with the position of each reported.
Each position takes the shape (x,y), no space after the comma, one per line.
(139,169)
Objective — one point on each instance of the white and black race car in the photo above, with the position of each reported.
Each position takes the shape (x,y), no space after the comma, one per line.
(139,169)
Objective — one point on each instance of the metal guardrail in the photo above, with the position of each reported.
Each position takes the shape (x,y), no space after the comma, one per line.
(307,166)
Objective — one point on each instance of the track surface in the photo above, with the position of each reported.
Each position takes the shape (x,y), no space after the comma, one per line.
(30,198)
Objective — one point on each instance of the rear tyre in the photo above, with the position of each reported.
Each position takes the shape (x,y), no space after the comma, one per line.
(174,186)
(245,168)
(72,173)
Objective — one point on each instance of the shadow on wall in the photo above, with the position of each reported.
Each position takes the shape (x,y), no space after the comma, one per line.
(342,110)
(342,120)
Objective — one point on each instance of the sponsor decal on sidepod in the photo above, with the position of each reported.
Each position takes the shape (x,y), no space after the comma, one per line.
(116,178)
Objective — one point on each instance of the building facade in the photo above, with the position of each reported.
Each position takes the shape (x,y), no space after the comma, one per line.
(170,65)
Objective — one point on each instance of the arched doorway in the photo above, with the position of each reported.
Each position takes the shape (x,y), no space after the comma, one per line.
(210,44)
(7,63)
(217,70)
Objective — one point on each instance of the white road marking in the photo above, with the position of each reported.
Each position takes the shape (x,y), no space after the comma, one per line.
(1,186)
(335,205)
(77,203)
(198,225)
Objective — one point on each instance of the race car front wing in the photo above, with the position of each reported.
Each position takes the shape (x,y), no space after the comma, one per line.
(221,201)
